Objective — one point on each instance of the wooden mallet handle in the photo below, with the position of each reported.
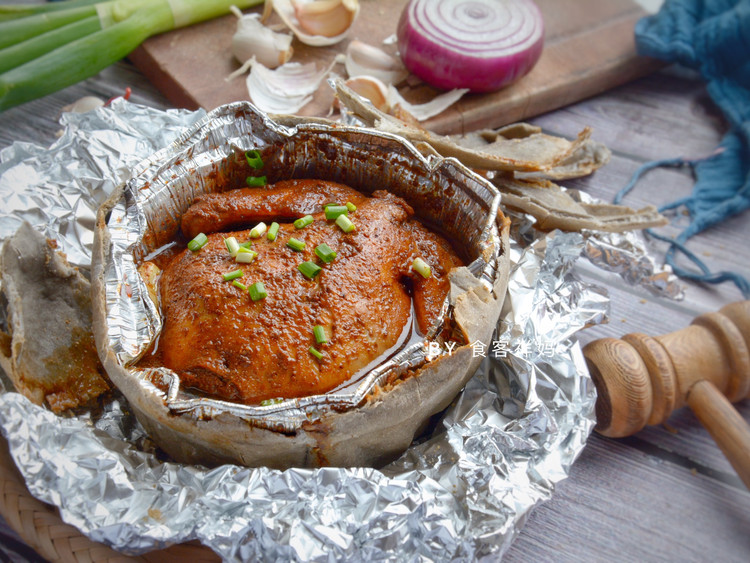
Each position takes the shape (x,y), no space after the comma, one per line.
(640,380)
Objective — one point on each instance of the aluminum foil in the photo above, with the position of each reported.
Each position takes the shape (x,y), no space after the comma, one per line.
(210,156)
(462,492)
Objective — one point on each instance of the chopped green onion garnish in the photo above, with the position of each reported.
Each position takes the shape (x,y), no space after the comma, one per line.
(345,224)
(303,222)
(309,269)
(229,276)
(254,181)
(245,255)
(258,230)
(315,353)
(240,285)
(267,402)
(273,231)
(247,245)
(198,242)
(333,211)
(253,159)
(351,207)
(232,245)
(257,291)
(295,244)
(421,267)
(320,334)
(325,253)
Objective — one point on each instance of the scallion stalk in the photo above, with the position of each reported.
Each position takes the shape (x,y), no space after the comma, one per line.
(14,11)
(351,207)
(315,352)
(256,181)
(245,255)
(123,25)
(258,230)
(296,244)
(233,247)
(303,222)
(273,230)
(254,160)
(325,253)
(233,275)
(345,224)
(320,334)
(422,268)
(257,291)
(198,242)
(309,269)
(333,211)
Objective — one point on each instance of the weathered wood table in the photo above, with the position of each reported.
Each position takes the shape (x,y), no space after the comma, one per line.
(666,494)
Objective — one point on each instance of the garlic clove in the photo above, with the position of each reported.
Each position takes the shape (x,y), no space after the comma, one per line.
(371,88)
(286,89)
(363,59)
(253,39)
(318,22)
(422,112)
(82,105)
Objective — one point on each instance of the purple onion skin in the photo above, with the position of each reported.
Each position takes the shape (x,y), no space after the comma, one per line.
(430,63)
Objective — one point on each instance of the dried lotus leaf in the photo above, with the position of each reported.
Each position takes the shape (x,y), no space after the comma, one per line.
(530,153)
(555,208)
(51,357)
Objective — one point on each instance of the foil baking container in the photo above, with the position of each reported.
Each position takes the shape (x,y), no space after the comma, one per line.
(463,491)
(144,216)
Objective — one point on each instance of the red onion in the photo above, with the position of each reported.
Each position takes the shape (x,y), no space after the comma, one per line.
(482,45)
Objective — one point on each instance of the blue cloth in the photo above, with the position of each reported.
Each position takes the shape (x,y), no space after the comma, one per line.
(712,37)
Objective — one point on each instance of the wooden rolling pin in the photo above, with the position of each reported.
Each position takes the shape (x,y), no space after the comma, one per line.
(640,380)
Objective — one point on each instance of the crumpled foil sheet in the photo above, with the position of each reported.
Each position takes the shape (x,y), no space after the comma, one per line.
(461,493)
(627,255)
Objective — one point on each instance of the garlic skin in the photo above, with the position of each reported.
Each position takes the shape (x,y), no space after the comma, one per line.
(287,89)
(317,23)
(372,88)
(82,105)
(422,112)
(253,39)
(363,59)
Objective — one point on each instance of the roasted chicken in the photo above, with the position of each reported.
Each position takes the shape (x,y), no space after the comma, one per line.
(225,344)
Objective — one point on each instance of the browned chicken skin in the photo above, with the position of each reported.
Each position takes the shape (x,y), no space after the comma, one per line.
(220,341)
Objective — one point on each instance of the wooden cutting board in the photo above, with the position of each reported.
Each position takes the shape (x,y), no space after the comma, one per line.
(589,48)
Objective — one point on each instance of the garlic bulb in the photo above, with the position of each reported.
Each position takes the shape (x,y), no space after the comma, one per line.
(253,39)
(317,22)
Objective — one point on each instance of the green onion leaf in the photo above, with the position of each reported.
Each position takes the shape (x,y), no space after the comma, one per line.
(295,244)
(229,276)
(421,267)
(257,291)
(325,253)
(303,222)
(309,269)
(273,231)
(254,181)
(345,224)
(267,402)
(198,242)
(232,245)
(248,245)
(351,207)
(258,230)
(239,284)
(315,353)
(333,211)
(245,255)
(320,334)
(253,159)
